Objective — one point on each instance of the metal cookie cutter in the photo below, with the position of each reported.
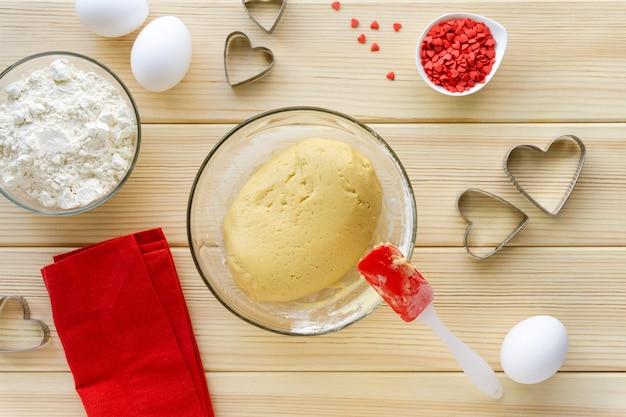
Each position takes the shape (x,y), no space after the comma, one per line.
(280,5)
(228,49)
(463,201)
(26,316)
(533,155)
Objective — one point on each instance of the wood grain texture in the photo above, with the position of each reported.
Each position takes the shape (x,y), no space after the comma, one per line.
(479,301)
(563,63)
(276,394)
(442,160)
(563,73)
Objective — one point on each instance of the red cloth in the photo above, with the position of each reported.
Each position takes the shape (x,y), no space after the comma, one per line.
(121,316)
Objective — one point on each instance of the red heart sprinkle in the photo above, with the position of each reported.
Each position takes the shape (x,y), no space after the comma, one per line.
(354,23)
(374,25)
(361,38)
(336,5)
(375,47)
(397,27)
(391,75)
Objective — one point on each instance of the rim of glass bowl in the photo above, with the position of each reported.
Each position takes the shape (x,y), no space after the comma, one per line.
(374,134)
(135,111)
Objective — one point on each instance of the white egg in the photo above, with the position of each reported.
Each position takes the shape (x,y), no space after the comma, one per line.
(161,54)
(112,18)
(534,349)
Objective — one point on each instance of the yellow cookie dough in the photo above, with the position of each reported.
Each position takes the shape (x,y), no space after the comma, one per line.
(302,220)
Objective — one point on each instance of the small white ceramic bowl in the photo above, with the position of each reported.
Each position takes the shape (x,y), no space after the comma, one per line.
(497,31)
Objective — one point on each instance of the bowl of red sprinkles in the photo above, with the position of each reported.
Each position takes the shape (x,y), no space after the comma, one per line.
(458,53)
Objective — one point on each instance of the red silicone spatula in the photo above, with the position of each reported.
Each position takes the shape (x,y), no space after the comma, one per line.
(411,297)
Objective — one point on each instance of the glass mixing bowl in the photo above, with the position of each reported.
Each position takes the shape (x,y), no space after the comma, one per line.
(77,154)
(229,165)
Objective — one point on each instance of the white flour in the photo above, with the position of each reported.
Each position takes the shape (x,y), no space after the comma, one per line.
(66,136)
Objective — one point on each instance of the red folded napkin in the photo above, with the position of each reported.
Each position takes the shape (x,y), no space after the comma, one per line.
(123,322)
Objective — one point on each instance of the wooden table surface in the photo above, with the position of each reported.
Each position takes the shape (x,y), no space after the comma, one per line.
(564,73)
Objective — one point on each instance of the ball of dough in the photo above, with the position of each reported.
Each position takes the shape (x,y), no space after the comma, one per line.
(302,220)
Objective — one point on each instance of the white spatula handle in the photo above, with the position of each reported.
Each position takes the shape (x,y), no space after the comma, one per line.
(475,367)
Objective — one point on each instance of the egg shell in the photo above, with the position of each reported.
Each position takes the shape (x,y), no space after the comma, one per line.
(534,349)
(112,18)
(161,54)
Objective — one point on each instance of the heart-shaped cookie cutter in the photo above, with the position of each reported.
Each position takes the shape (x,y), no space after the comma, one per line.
(573,179)
(237,35)
(460,204)
(281,9)
(26,316)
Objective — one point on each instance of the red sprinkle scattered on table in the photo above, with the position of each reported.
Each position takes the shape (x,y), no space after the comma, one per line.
(374,47)
(457,54)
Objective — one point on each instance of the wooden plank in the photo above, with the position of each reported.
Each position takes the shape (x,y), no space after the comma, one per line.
(479,301)
(275,394)
(319,62)
(441,161)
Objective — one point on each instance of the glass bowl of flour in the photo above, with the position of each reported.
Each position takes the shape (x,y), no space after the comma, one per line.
(69,133)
